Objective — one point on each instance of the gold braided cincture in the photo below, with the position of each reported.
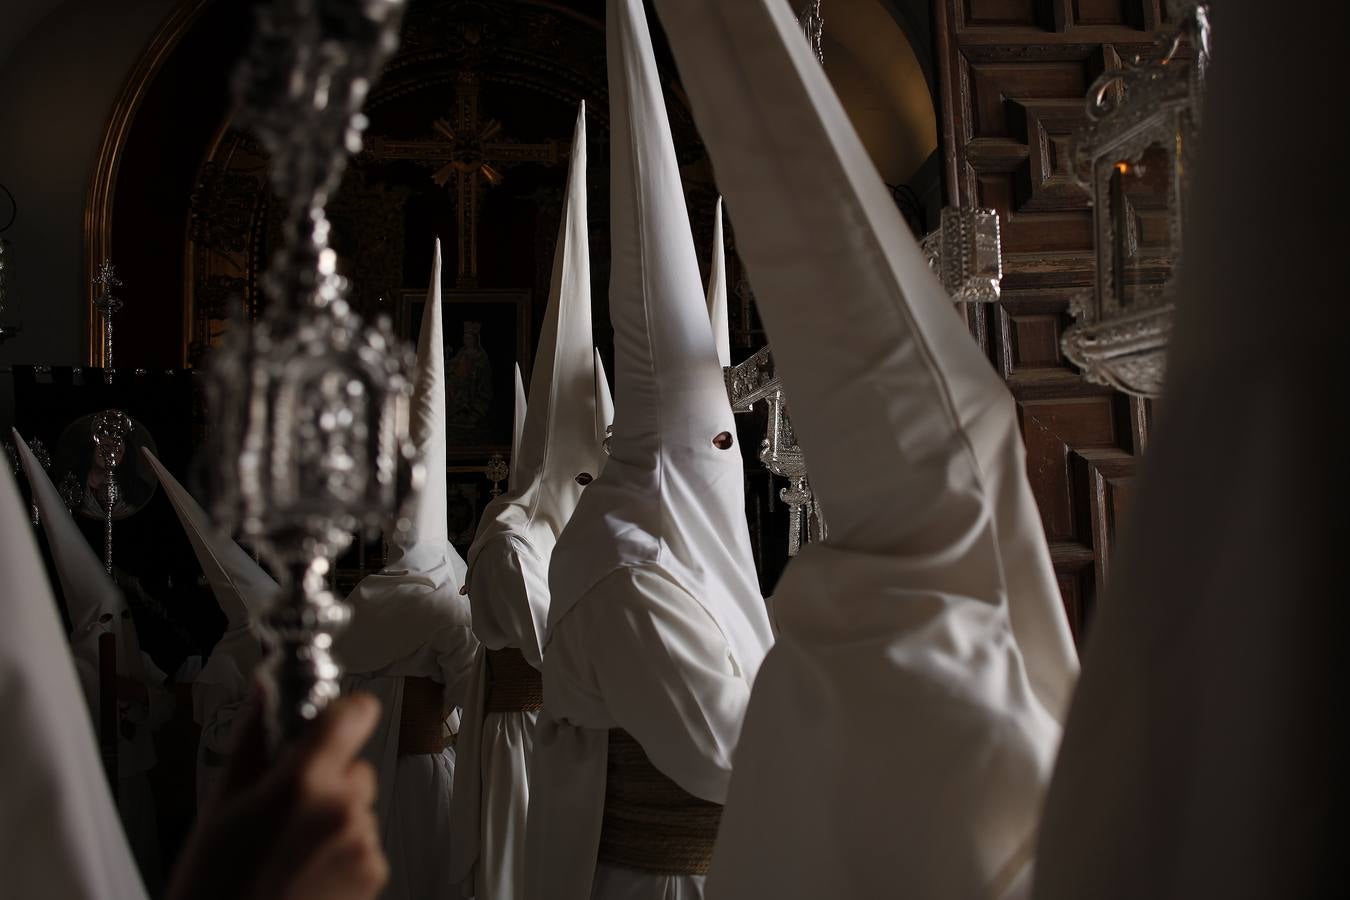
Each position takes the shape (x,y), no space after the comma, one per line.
(651,823)
(421,727)
(513,684)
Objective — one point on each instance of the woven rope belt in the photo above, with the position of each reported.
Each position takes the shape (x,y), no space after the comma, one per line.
(421,728)
(513,684)
(651,823)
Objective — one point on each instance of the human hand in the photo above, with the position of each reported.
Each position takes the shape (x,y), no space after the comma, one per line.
(300,827)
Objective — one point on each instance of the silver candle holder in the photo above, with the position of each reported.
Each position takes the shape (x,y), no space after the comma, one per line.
(108,305)
(110,430)
(312,403)
(753,381)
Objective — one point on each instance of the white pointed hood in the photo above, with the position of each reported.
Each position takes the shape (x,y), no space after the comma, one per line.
(604,402)
(396,610)
(717,291)
(668,498)
(930,619)
(558,454)
(517,429)
(423,543)
(56,794)
(241,587)
(853,246)
(89,592)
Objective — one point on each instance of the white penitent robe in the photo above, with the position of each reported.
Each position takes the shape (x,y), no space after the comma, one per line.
(415,790)
(501,749)
(668,678)
(135,751)
(221,693)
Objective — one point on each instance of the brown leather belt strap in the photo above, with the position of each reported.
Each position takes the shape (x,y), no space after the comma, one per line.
(651,823)
(513,684)
(421,728)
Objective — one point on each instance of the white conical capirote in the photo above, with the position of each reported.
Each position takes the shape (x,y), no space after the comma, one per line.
(558,454)
(669,497)
(517,428)
(933,598)
(845,240)
(56,794)
(422,543)
(604,401)
(241,587)
(717,291)
(88,591)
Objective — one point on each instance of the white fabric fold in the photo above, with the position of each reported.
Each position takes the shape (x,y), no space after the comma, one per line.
(604,404)
(59,831)
(517,428)
(221,690)
(717,291)
(924,656)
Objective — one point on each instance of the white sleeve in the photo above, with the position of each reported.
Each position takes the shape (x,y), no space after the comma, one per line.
(667,677)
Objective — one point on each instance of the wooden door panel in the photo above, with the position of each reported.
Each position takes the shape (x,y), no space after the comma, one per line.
(1013,77)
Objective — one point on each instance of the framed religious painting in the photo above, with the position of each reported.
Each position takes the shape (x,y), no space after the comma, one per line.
(486,332)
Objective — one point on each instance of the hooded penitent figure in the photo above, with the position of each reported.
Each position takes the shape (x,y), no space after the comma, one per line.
(1204,752)
(222,690)
(409,644)
(557,455)
(656,624)
(59,832)
(901,733)
(96,605)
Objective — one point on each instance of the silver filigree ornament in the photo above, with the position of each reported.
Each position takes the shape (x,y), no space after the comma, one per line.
(1136,152)
(110,430)
(312,404)
(753,381)
(108,304)
(966,254)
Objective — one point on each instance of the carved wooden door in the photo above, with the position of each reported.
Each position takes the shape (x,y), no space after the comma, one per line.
(1013,75)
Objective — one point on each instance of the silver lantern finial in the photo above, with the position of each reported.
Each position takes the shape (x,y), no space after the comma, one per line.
(749,383)
(813,26)
(108,305)
(110,430)
(312,403)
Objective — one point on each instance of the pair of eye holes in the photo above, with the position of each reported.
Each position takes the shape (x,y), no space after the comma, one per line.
(723,441)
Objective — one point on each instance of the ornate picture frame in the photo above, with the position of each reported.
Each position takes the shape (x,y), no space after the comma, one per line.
(486,332)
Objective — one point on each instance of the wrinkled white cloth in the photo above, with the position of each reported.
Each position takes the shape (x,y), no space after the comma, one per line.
(638,654)
(60,835)
(496,749)
(415,791)
(221,694)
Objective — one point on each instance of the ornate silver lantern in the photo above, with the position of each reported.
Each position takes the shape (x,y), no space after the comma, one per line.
(312,404)
(966,254)
(1134,159)
(751,382)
